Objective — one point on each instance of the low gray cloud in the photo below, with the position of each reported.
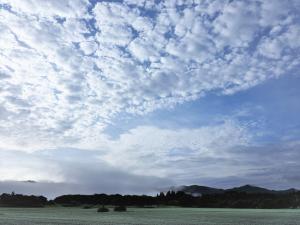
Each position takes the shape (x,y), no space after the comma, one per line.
(268,165)
(82,171)
(72,171)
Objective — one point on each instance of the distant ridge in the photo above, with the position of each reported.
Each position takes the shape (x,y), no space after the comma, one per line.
(197,190)
(251,189)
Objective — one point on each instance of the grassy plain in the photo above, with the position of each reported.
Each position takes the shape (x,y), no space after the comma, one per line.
(148,216)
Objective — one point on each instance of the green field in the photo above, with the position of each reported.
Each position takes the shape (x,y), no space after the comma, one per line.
(151,216)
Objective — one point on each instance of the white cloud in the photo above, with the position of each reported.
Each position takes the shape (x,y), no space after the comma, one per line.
(147,158)
(144,150)
(88,47)
(55,174)
(276,12)
(271,48)
(160,152)
(234,26)
(50,8)
(291,36)
(67,70)
(28,167)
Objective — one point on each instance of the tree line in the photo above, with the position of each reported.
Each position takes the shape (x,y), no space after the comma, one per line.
(230,199)
(18,200)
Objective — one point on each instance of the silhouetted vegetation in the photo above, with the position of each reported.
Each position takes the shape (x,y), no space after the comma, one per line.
(228,199)
(17,200)
(243,197)
(233,199)
(103,209)
(103,199)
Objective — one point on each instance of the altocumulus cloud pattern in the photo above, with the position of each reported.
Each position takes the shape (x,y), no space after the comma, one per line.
(68,68)
(68,65)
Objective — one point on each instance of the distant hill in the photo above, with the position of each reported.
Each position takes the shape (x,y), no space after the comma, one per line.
(288,191)
(251,189)
(197,190)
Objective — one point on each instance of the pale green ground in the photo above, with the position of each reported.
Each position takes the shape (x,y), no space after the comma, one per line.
(155,216)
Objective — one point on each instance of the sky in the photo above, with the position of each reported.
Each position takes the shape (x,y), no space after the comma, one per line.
(133,96)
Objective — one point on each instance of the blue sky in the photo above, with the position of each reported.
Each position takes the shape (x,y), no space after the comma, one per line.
(268,103)
(154,93)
